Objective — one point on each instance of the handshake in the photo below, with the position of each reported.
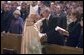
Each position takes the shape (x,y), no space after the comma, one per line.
(62,31)
(42,34)
(43,38)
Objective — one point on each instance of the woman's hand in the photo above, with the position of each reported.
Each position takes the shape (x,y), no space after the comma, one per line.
(63,32)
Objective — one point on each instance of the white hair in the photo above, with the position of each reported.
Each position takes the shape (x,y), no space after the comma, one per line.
(17,12)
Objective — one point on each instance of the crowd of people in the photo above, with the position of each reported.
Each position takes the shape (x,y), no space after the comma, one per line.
(12,18)
(65,14)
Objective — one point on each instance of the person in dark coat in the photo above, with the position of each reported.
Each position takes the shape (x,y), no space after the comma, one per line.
(16,25)
(80,43)
(74,29)
(6,16)
(61,16)
(48,26)
(24,11)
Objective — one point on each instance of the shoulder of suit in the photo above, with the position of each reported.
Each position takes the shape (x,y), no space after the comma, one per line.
(40,21)
(52,16)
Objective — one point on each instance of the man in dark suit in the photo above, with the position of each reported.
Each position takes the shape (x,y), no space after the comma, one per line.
(48,26)
(6,16)
(23,11)
(61,16)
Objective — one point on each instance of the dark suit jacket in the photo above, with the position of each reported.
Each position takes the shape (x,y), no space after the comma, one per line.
(74,34)
(54,37)
(5,20)
(24,14)
(80,44)
(62,21)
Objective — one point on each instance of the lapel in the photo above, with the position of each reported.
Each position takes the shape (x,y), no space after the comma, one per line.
(50,20)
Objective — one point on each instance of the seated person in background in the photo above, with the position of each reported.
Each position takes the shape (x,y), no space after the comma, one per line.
(16,25)
(74,29)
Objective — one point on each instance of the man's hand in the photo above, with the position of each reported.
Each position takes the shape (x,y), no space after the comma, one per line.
(42,34)
(66,33)
(62,31)
(43,38)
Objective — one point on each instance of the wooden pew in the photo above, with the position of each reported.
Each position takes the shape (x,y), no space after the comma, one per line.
(57,49)
(11,41)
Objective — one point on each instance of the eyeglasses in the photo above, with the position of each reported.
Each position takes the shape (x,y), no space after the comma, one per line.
(16,14)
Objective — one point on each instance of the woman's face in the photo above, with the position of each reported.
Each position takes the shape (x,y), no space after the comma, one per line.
(73,17)
(6,7)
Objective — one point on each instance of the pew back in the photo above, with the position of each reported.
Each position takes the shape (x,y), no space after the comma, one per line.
(11,41)
(57,49)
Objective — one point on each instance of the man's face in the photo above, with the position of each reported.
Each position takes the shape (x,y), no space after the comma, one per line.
(6,7)
(45,14)
(39,3)
(58,9)
(23,6)
(14,6)
(34,3)
(52,5)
